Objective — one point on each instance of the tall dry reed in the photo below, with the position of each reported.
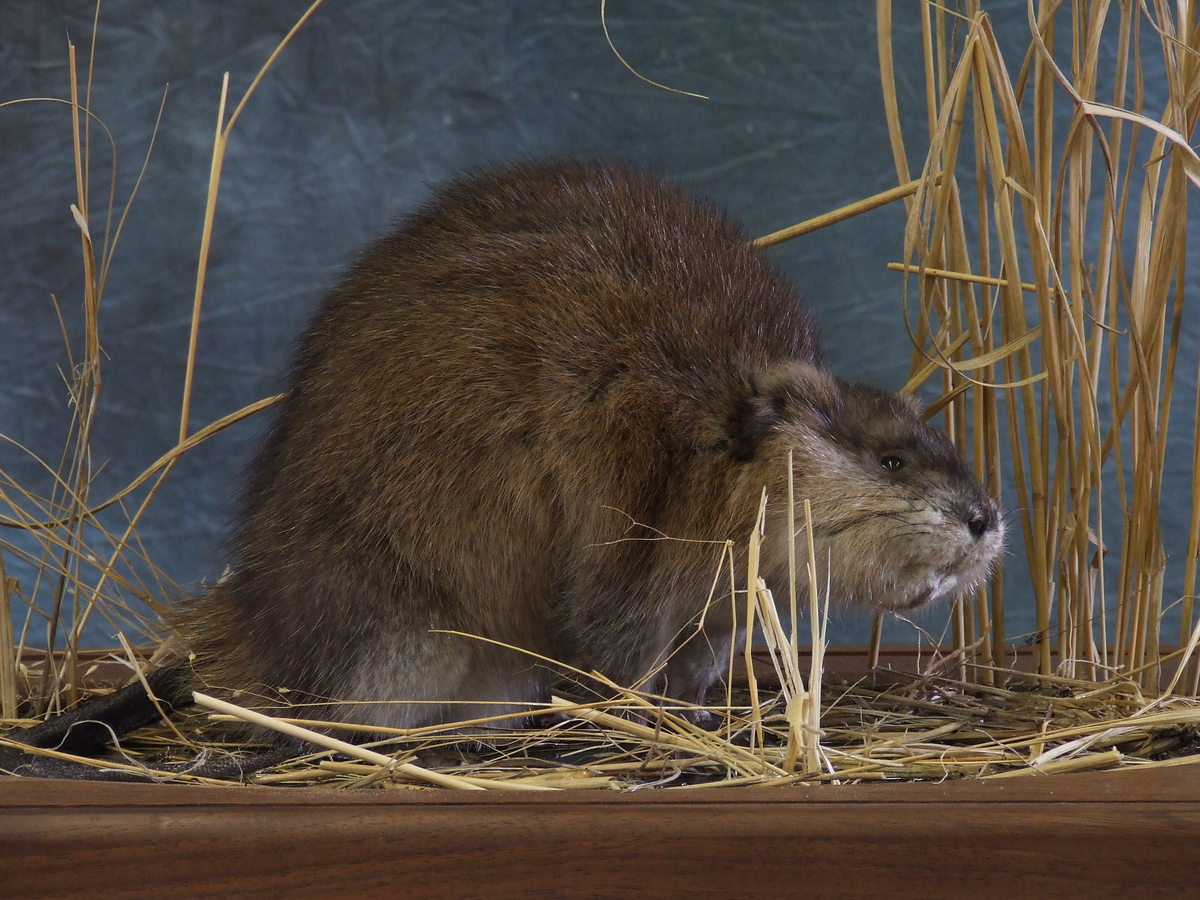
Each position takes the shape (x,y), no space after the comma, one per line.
(1050,258)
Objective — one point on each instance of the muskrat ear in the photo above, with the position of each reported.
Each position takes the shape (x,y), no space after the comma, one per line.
(912,403)
(787,391)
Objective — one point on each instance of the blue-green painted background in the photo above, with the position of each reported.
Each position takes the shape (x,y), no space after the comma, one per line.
(371,104)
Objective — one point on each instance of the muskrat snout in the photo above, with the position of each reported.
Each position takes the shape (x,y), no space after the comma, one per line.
(979,524)
(982,518)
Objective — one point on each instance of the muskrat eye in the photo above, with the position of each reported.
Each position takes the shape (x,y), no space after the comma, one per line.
(891,463)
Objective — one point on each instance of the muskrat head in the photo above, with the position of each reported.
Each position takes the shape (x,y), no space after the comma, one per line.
(898,518)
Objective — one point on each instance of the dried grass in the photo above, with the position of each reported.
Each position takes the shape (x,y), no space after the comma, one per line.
(1082,205)
(1053,331)
(927,727)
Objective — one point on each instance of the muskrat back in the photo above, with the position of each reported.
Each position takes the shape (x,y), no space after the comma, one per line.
(533,414)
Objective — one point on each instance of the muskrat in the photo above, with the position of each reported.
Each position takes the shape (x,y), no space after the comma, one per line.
(533,413)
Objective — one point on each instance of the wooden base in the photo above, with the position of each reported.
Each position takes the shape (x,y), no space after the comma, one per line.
(1124,833)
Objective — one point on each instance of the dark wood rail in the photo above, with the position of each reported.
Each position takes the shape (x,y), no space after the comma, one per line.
(1124,833)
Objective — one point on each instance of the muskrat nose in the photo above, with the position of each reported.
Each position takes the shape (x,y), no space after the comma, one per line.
(980,520)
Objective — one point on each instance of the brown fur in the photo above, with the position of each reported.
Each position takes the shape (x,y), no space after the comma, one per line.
(500,411)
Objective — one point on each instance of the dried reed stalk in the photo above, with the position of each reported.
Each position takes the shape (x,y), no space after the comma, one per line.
(8,651)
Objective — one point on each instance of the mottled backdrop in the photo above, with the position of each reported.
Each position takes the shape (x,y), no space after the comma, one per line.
(371,104)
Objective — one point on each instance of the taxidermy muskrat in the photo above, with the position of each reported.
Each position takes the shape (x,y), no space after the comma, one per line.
(527,414)
(534,413)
